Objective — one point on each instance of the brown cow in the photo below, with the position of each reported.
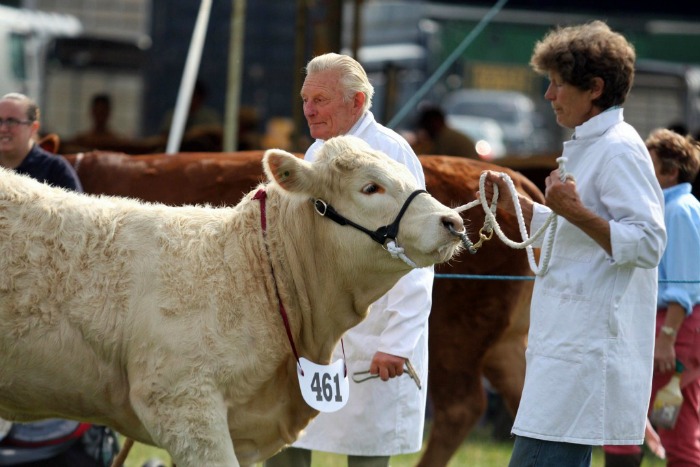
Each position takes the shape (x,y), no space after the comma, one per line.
(477,327)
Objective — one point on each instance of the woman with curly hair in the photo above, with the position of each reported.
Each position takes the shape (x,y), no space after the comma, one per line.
(591,338)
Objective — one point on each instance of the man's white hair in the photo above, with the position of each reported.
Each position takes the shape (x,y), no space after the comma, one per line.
(353,77)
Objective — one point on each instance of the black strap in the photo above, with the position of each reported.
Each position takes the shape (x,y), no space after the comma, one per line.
(380,235)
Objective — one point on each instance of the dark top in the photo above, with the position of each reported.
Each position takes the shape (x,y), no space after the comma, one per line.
(49,168)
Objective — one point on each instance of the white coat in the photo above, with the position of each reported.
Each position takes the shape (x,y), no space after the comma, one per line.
(382,418)
(591,338)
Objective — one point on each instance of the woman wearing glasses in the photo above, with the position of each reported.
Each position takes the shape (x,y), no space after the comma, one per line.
(19,126)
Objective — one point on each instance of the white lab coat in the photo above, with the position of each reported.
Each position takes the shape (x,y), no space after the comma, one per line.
(382,418)
(591,339)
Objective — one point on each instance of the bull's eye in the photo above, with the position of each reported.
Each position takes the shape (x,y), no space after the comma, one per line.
(372,188)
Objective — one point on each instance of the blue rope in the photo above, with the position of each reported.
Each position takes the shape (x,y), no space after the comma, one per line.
(484,277)
(496,277)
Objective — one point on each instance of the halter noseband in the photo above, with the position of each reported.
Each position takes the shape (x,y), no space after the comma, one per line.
(382,234)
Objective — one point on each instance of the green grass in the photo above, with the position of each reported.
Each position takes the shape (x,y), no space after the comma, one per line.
(478,450)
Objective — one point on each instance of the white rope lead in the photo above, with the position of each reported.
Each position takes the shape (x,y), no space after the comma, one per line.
(548,228)
(398,252)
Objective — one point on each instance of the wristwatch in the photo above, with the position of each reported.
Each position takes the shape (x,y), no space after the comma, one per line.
(669,331)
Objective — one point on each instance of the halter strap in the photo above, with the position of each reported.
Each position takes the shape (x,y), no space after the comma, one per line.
(261,195)
(382,234)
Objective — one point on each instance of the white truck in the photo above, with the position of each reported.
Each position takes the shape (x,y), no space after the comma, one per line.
(53,59)
(664,94)
(25,37)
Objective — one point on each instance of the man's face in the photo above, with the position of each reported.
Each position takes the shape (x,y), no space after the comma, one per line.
(326,112)
(15,139)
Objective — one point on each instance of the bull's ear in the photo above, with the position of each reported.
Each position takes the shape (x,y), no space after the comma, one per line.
(290,172)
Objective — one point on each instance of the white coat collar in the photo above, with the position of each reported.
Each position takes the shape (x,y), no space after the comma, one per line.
(365,121)
(599,124)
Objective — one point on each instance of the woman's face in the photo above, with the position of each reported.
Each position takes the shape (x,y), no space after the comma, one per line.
(572,106)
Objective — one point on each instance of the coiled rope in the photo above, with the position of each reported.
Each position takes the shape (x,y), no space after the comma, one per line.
(491,224)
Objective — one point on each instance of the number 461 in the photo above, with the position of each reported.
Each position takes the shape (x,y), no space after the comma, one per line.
(323,387)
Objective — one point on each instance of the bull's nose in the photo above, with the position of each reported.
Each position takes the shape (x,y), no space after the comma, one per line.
(453,223)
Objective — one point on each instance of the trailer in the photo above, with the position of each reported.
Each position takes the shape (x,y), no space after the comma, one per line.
(25,38)
(664,94)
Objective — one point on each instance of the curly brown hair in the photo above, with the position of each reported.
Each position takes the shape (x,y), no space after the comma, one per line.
(584,52)
(675,151)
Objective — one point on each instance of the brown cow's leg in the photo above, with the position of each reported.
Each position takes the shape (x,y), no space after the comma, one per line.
(459,339)
(504,367)
(504,362)
(456,410)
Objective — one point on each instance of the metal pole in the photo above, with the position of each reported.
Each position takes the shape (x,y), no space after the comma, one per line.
(299,62)
(189,77)
(356,28)
(442,69)
(235,67)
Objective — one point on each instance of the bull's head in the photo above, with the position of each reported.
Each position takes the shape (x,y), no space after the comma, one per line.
(357,186)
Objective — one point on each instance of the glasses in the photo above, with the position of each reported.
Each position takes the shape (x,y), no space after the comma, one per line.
(12,123)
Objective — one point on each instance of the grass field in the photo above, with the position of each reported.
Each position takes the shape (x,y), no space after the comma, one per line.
(478,450)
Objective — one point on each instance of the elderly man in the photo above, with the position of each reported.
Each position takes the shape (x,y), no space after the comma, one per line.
(385,412)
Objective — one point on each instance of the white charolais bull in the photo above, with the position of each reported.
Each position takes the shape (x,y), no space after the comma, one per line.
(164,322)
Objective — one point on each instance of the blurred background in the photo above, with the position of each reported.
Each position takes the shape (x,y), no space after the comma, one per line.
(64,52)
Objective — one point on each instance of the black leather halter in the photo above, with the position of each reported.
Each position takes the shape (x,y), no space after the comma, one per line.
(382,234)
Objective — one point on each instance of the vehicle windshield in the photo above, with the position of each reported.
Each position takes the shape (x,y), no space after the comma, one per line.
(499,111)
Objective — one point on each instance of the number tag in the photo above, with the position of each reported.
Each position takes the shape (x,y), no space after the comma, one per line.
(324,387)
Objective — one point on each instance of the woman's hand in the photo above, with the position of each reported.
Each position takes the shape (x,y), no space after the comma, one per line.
(563,199)
(505,200)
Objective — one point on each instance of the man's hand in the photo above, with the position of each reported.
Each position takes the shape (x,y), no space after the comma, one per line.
(386,365)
